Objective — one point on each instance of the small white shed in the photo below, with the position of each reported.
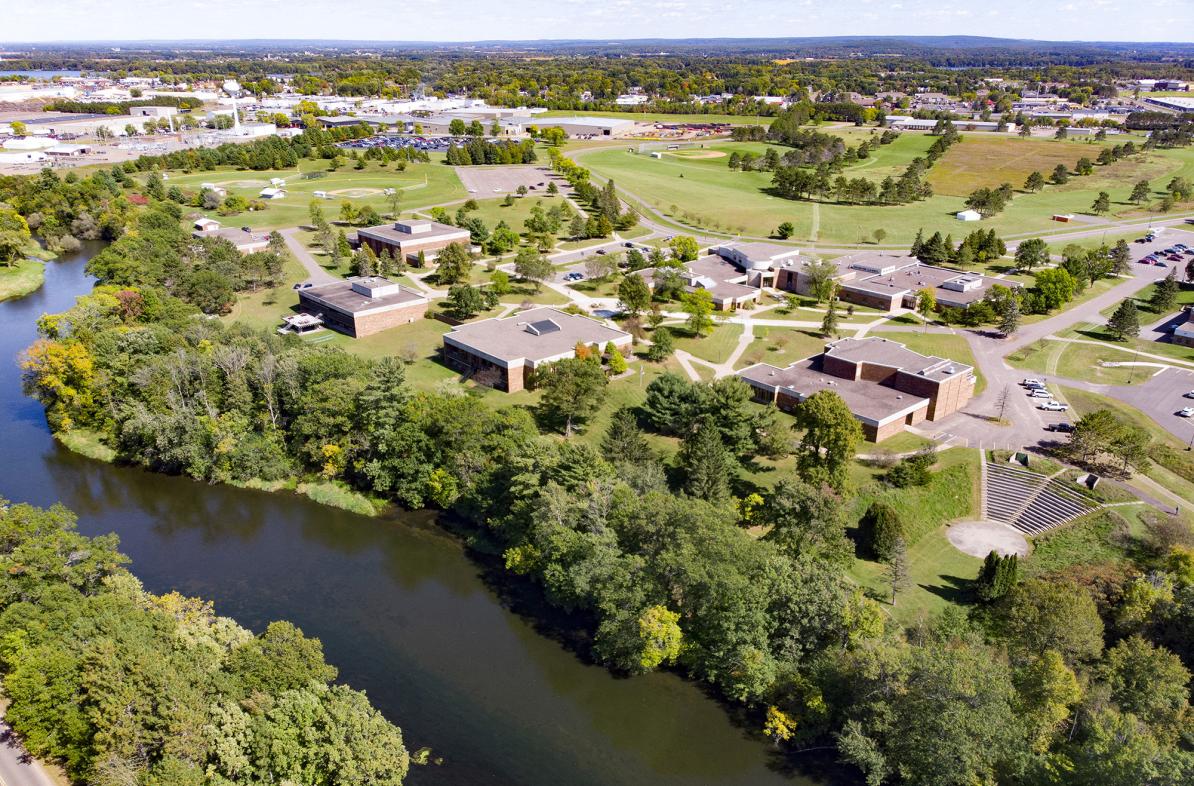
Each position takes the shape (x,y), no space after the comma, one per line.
(969,215)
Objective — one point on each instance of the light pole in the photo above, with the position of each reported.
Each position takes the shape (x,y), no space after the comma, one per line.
(1132,370)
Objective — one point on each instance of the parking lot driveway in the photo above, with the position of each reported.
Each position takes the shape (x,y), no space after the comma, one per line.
(486,182)
(1161,397)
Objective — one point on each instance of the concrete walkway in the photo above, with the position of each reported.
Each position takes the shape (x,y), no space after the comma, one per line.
(316,274)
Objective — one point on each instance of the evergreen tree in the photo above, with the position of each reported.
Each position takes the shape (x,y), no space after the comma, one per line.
(1035,182)
(662,345)
(998,576)
(624,441)
(1102,203)
(829,323)
(1140,192)
(1009,317)
(1165,295)
(1125,321)
(705,463)
(879,529)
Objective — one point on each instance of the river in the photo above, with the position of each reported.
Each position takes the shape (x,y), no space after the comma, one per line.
(402,610)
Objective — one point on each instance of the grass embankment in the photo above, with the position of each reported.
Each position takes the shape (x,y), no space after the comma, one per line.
(86,443)
(1170,465)
(939,572)
(22,279)
(1103,536)
(337,495)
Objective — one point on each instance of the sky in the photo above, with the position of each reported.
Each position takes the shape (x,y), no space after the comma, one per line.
(471,20)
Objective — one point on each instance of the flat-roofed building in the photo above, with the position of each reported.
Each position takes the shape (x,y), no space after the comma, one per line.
(725,283)
(406,238)
(758,260)
(886,385)
(888,280)
(586,126)
(363,305)
(882,412)
(501,352)
(245,242)
(1183,332)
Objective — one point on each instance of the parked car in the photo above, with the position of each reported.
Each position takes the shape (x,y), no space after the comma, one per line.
(298,286)
(246,229)
(1057,406)
(1039,393)
(1063,427)
(628,244)
(1030,382)
(308,285)
(601,251)
(1185,412)
(1188,394)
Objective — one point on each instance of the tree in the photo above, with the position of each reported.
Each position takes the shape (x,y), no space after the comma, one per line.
(453,265)
(634,294)
(615,359)
(624,442)
(1149,682)
(1125,322)
(821,275)
(698,304)
(879,235)
(706,463)
(897,569)
(805,521)
(1060,174)
(1009,316)
(1032,253)
(659,630)
(1055,287)
(1121,258)
(926,302)
(14,236)
(530,265)
(1034,183)
(572,390)
(456,127)
(1047,690)
(1140,192)
(785,230)
(1165,295)
(998,576)
(684,248)
(879,529)
(465,302)
(831,437)
(1050,615)
(1102,203)
(829,322)
(662,345)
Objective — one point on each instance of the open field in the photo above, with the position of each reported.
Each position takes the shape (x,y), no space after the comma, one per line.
(781,346)
(421,185)
(706,193)
(988,160)
(21,279)
(715,347)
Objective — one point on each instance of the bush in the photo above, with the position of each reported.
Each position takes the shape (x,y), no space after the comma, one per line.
(879,529)
(912,471)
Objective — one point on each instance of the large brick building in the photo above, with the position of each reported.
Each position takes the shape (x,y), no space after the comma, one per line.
(405,239)
(888,281)
(886,385)
(363,306)
(500,352)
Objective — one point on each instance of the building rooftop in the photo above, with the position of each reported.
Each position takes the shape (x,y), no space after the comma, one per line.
(237,237)
(869,401)
(413,230)
(758,250)
(536,336)
(882,352)
(361,295)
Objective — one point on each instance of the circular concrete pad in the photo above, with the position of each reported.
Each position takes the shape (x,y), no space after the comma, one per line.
(980,538)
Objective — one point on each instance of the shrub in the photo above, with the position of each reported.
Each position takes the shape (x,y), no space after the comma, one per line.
(880,528)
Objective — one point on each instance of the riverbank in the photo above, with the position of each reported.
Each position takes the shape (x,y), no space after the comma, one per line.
(23,279)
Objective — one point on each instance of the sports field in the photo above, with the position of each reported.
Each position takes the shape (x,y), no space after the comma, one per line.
(706,193)
(421,185)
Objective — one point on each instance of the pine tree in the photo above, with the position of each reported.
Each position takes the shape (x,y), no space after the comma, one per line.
(1140,192)
(1125,321)
(1165,295)
(918,244)
(1009,319)
(897,569)
(998,576)
(829,323)
(705,463)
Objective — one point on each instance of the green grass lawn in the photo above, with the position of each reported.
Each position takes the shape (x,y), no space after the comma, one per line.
(1129,346)
(1076,361)
(1099,537)
(420,184)
(781,346)
(22,279)
(940,573)
(709,194)
(715,347)
(944,345)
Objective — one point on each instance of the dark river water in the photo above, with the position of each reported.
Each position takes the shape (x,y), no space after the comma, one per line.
(401,608)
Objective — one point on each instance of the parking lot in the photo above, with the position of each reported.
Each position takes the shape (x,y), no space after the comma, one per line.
(483,181)
(431,144)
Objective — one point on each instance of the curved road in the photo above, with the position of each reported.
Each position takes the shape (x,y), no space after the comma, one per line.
(17,768)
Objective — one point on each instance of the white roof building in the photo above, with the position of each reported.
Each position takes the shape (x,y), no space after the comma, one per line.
(969,215)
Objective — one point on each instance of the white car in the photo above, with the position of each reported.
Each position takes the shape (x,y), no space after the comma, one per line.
(1040,393)
(1030,382)
(1186,412)
(1188,395)
(1056,406)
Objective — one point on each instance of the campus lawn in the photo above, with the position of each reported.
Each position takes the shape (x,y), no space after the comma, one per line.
(943,345)
(22,279)
(781,346)
(715,347)
(1129,346)
(988,160)
(706,193)
(1143,298)
(940,573)
(265,308)
(421,185)
(1076,361)
(1103,536)
(1178,473)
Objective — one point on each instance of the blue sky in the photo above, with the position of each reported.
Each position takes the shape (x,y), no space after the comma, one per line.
(464,20)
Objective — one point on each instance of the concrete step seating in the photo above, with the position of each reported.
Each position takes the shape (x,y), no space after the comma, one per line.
(1030,501)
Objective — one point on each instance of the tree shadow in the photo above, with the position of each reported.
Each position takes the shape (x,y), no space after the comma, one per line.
(956,590)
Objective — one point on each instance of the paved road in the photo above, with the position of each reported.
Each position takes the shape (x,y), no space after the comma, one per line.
(315,272)
(17,768)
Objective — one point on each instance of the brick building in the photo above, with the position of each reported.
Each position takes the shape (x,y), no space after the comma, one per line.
(500,352)
(363,306)
(405,239)
(886,385)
